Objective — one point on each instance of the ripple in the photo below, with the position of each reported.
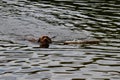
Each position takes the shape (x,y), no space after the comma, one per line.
(62,20)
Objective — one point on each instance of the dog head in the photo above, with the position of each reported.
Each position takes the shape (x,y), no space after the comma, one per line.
(44,41)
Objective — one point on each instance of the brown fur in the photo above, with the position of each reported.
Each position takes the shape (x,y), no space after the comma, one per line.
(44,41)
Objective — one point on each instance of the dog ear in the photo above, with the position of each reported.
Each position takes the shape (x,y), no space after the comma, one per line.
(49,39)
(39,40)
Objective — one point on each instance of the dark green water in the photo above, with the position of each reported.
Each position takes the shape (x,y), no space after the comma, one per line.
(61,20)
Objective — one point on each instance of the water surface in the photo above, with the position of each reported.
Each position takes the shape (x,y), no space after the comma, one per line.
(62,20)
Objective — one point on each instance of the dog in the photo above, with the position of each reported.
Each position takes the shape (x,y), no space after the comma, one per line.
(44,41)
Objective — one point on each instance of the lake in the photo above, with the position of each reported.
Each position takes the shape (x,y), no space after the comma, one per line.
(62,20)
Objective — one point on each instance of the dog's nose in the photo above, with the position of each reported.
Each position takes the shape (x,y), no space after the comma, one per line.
(45,40)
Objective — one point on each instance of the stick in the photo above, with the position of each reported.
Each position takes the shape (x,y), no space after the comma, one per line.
(83,42)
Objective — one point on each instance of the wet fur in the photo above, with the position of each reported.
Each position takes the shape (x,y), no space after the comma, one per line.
(44,41)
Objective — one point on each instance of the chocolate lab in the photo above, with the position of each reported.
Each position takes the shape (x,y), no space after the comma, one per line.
(44,41)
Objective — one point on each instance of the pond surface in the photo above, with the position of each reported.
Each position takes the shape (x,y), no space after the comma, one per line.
(62,20)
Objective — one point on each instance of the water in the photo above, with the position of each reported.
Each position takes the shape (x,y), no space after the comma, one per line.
(62,20)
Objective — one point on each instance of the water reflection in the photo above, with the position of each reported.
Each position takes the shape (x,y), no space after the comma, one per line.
(63,20)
